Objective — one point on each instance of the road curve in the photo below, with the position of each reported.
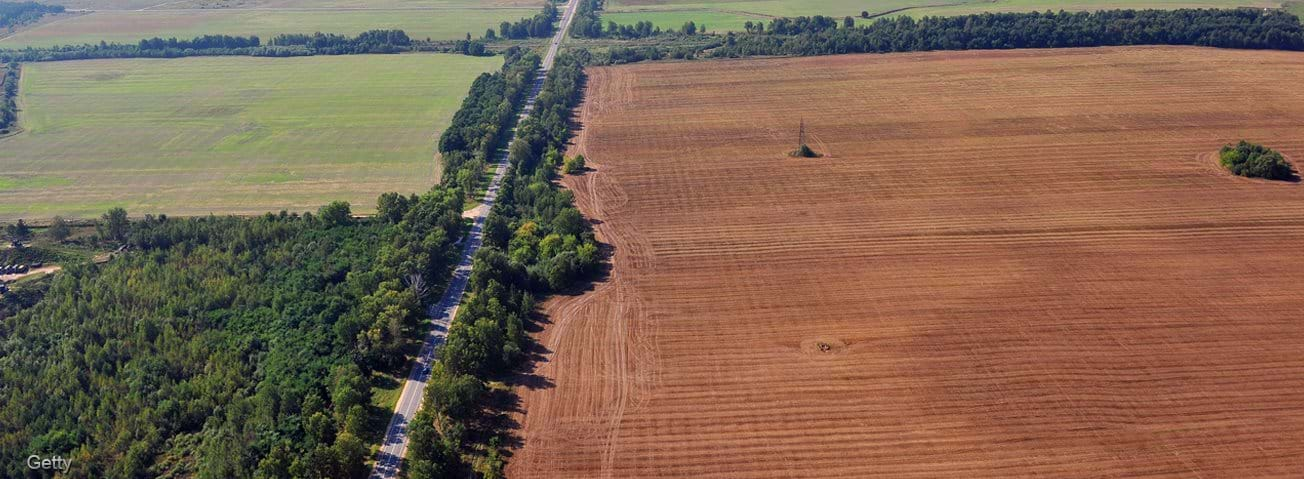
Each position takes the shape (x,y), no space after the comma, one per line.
(394,448)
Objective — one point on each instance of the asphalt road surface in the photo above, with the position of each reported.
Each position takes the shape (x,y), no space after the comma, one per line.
(392,451)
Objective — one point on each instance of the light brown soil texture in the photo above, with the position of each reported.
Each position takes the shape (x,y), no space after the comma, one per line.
(1008,264)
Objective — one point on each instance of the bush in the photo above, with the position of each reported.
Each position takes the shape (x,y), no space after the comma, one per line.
(574,165)
(1254,161)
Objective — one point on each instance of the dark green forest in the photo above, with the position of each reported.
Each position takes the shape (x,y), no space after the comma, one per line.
(1229,28)
(223,347)
(13,14)
(536,243)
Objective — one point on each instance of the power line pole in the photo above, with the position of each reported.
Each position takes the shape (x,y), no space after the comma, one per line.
(801,133)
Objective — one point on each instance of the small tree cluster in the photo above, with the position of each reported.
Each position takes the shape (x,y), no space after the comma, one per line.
(573,165)
(1254,161)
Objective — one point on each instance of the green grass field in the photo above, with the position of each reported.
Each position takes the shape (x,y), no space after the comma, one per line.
(730,15)
(227,134)
(131,26)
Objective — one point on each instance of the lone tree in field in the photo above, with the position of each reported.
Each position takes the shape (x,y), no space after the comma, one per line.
(59,230)
(1254,161)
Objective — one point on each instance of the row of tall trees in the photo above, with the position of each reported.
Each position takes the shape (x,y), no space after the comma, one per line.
(204,42)
(8,97)
(588,24)
(617,55)
(371,41)
(536,243)
(13,14)
(286,45)
(1227,28)
(222,346)
(480,127)
(538,26)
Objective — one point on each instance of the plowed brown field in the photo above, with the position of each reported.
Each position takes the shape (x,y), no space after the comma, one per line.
(1013,263)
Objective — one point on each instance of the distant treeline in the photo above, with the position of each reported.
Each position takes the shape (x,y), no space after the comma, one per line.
(206,42)
(642,29)
(1227,28)
(8,97)
(13,14)
(536,243)
(479,127)
(474,48)
(588,24)
(374,41)
(618,55)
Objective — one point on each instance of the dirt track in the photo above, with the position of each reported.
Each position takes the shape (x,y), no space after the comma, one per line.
(1019,263)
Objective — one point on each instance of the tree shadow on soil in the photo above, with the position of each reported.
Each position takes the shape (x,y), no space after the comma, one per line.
(499,419)
(504,405)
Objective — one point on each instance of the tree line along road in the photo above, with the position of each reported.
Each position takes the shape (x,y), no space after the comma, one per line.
(394,447)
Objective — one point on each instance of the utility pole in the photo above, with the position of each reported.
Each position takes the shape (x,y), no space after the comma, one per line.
(801,133)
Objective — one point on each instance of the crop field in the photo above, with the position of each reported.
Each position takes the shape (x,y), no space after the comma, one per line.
(1008,264)
(726,16)
(227,134)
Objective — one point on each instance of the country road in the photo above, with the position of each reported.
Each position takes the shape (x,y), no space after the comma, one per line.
(394,448)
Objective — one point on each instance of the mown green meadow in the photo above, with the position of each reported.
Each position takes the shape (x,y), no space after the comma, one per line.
(227,134)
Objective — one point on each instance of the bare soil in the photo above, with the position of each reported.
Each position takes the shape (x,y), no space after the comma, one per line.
(1020,263)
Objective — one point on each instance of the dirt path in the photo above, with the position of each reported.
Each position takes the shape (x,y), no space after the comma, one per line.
(902,9)
(5,278)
